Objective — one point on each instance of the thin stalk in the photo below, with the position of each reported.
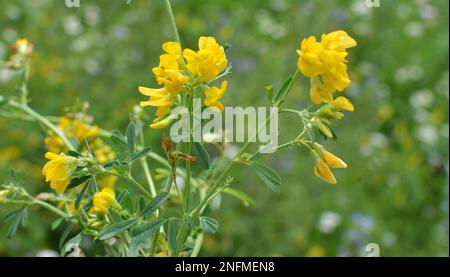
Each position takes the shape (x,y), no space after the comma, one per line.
(198,245)
(188,151)
(44,121)
(130,180)
(172,21)
(148,175)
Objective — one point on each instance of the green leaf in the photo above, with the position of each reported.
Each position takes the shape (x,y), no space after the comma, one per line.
(125,200)
(140,154)
(243,197)
(131,134)
(172,237)
(281,94)
(116,229)
(155,204)
(144,230)
(117,137)
(140,234)
(64,235)
(94,185)
(74,153)
(202,155)
(16,217)
(269,90)
(75,182)
(88,148)
(70,244)
(56,223)
(208,224)
(269,177)
(81,194)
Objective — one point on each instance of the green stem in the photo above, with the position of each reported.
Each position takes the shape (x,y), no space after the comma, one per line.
(130,180)
(187,186)
(44,121)
(148,175)
(172,21)
(198,245)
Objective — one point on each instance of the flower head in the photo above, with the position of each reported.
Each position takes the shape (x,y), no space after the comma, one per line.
(58,171)
(72,128)
(208,62)
(325,160)
(324,62)
(103,200)
(213,94)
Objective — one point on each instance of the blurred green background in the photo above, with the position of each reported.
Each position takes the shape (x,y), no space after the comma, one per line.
(395,190)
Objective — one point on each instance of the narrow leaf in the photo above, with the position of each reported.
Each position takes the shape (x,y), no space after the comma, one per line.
(155,204)
(144,230)
(140,154)
(201,155)
(116,229)
(172,237)
(269,177)
(75,182)
(281,94)
(131,134)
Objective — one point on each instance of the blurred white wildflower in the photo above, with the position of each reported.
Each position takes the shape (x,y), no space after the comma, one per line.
(328,222)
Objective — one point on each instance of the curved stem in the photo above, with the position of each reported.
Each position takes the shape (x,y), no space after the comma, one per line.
(44,121)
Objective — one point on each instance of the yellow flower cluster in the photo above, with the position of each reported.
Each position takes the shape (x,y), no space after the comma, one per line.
(58,171)
(72,128)
(325,63)
(179,68)
(103,200)
(78,130)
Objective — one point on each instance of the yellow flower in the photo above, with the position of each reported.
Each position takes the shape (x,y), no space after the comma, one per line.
(172,80)
(208,62)
(102,152)
(162,99)
(169,76)
(172,58)
(23,46)
(72,128)
(161,123)
(58,171)
(213,94)
(103,200)
(325,160)
(342,103)
(322,170)
(324,62)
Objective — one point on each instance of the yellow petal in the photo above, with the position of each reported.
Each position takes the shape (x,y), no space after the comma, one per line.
(332,160)
(342,103)
(322,171)
(172,47)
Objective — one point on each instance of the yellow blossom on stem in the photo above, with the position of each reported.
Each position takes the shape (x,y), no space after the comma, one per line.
(72,128)
(325,63)
(342,103)
(169,75)
(213,94)
(208,62)
(325,160)
(103,200)
(58,171)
